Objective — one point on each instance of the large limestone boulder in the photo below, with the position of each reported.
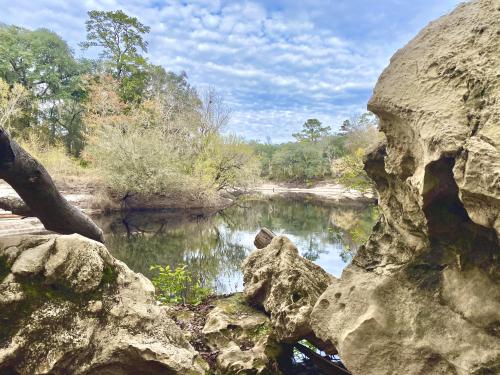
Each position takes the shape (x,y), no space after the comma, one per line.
(243,338)
(423,295)
(286,286)
(68,307)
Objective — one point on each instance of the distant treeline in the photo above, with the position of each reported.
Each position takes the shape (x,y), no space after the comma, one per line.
(318,154)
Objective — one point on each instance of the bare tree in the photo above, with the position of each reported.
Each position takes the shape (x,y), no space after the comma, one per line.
(215,114)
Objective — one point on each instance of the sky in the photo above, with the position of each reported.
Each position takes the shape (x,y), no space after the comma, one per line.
(275,62)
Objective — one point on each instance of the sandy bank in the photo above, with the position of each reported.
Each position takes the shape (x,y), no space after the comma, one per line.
(326,191)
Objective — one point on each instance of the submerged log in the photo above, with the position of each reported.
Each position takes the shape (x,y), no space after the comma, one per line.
(263,238)
(35,187)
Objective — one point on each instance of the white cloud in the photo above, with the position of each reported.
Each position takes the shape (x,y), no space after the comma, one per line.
(276,65)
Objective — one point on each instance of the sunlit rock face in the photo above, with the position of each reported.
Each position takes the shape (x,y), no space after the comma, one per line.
(423,295)
(68,307)
(286,286)
(243,338)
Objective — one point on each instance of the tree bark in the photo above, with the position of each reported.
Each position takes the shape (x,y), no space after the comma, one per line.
(35,187)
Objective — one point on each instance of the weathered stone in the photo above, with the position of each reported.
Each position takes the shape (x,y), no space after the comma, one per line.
(422,296)
(286,286)
(242,337)
(77,310)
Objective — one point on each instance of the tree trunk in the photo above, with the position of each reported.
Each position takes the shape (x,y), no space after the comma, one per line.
(35,187)
(263,238)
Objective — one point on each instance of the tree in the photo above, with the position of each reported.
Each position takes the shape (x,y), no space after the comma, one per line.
(302,161)
(215,114)
(360,131)
(121,39)
(312,131)
(44,64)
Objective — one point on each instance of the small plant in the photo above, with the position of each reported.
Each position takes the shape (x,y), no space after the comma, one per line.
(178,286)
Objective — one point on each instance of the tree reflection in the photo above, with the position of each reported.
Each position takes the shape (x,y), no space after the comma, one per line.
(214,245)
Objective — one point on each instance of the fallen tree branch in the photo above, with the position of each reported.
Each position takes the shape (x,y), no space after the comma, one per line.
(35,187)
(16,206)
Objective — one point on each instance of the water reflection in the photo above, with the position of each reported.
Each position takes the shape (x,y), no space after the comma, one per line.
(213,247)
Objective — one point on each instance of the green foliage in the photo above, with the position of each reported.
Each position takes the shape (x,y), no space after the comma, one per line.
(301,161)
(121,38)
(44,65)
(152,161)
(178,286)
(225,163)
(350,172)
(319,155)
(312,131)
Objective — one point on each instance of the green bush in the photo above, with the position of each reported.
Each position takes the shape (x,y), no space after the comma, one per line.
(301,161)
(178,286)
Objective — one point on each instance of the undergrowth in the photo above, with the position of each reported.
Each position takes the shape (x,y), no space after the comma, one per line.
(178,286)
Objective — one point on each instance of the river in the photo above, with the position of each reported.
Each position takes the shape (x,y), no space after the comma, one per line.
(213,247)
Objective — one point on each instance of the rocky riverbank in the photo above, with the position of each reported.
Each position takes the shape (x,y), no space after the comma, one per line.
(420,297)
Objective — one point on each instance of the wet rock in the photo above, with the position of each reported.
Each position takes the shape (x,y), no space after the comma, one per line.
(286,286)
(67,306)
(422,296)
(242,338)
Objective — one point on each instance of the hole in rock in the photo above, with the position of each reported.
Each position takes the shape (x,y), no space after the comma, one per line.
(304,358)
(452,234)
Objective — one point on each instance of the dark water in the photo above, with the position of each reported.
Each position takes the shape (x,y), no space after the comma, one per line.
(213,247)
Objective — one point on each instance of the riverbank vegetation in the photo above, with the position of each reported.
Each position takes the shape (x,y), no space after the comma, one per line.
(318,154)
(119,122)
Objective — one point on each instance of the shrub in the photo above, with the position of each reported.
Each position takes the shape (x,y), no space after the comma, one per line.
(178,286)
(300,161)
(350,171)
(55,159)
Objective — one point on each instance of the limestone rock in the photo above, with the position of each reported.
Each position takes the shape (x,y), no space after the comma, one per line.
(243,338)
(67,306)
(422,296)
(286,286)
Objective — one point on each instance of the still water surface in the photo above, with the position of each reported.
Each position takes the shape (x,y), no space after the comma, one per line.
(214,247)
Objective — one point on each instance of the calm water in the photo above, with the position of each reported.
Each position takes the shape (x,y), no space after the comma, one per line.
(214,247)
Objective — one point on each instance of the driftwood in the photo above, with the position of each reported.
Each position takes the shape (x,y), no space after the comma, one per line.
(16,206)
(263,238)
(35,187)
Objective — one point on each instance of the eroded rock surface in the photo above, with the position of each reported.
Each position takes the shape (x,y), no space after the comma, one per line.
(243,338)
(423,295)
(286,286)
(68,307)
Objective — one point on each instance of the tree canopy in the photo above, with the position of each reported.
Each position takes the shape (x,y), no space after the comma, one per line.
(312,131)
(121,39)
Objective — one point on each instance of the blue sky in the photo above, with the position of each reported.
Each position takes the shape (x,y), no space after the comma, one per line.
(277,63)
